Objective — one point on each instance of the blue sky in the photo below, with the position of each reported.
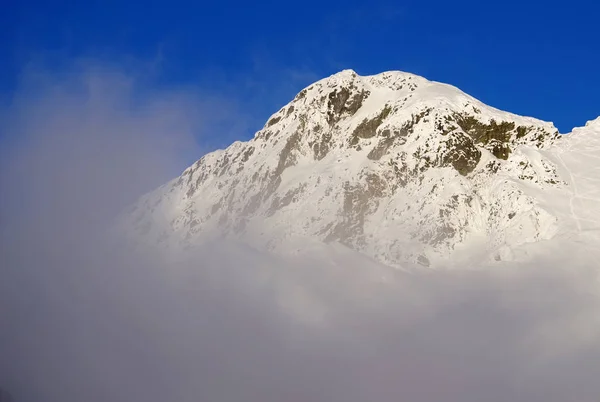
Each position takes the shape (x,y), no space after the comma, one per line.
(525,57)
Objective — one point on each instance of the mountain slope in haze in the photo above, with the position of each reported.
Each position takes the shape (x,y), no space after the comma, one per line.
(402,169)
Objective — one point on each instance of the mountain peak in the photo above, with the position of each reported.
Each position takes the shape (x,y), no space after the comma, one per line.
(348,72)
(393,165)
(393,80)
(386,76)
(352,111)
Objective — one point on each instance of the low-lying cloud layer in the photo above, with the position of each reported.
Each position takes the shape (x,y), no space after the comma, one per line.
(82,320)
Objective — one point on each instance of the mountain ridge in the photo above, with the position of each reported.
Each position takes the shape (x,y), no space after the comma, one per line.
(350,159)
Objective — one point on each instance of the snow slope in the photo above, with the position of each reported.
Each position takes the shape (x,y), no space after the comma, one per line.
(577,207)
(402,169)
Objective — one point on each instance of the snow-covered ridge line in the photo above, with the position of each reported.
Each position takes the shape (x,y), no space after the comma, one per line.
(405,170)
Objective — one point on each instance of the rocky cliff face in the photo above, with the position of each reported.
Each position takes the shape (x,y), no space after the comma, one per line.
(405,170)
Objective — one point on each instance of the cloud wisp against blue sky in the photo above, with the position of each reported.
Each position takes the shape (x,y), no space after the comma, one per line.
(524,57)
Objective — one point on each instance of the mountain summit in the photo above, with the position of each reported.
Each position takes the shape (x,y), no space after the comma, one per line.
(402,169)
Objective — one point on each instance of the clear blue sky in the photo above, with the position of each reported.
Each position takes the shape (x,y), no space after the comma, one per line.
(525,57)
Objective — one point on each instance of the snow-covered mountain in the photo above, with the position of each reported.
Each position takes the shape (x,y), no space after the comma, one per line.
(402,169)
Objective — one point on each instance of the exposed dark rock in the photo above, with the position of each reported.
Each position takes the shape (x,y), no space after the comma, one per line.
(336,103)
(424,261)
(301,95)
(462,154)
(274,120)
(359,201)
(368,128)
(247,154)
(290,197)
(522,131)
(253,203)
(287,158)
(381,148)
(441,234)
(497,137)
(401,173)
(341,102)
(216,207)
(321,148)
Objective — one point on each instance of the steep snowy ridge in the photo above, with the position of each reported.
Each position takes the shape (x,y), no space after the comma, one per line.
(402,169)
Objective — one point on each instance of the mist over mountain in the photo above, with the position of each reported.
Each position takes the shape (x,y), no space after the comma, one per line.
(293,267)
